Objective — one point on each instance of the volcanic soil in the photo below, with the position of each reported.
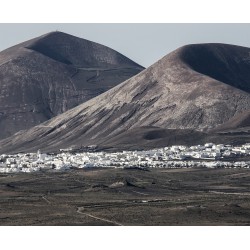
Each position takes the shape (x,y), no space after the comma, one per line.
(123,197)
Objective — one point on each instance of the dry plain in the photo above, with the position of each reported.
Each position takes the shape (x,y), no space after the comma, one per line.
(108,196)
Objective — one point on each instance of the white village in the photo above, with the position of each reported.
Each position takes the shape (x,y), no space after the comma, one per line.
(209,155)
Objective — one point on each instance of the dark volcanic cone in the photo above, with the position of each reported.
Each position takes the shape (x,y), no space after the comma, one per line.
(196,88)
(48,75)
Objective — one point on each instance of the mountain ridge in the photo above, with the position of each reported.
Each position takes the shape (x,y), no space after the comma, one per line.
(170,94)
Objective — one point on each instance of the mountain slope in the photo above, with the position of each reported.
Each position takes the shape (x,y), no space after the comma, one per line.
(183,90)
(48,75)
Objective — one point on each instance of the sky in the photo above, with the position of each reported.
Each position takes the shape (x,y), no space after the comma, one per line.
(144,43)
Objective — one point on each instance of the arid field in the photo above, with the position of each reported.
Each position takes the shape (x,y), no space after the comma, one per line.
(104,196)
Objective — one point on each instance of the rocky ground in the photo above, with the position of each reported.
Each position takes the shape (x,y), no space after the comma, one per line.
(126,197)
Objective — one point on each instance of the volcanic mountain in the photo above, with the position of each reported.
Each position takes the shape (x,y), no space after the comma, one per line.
(180,98)
(48,75)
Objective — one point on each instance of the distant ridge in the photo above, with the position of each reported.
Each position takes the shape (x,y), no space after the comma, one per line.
(179,99)
(50,74)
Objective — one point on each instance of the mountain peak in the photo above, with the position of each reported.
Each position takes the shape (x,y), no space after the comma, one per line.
(50,74)
(78,51)
(223,62)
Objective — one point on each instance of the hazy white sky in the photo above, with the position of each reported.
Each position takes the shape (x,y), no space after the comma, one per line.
(143,43)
